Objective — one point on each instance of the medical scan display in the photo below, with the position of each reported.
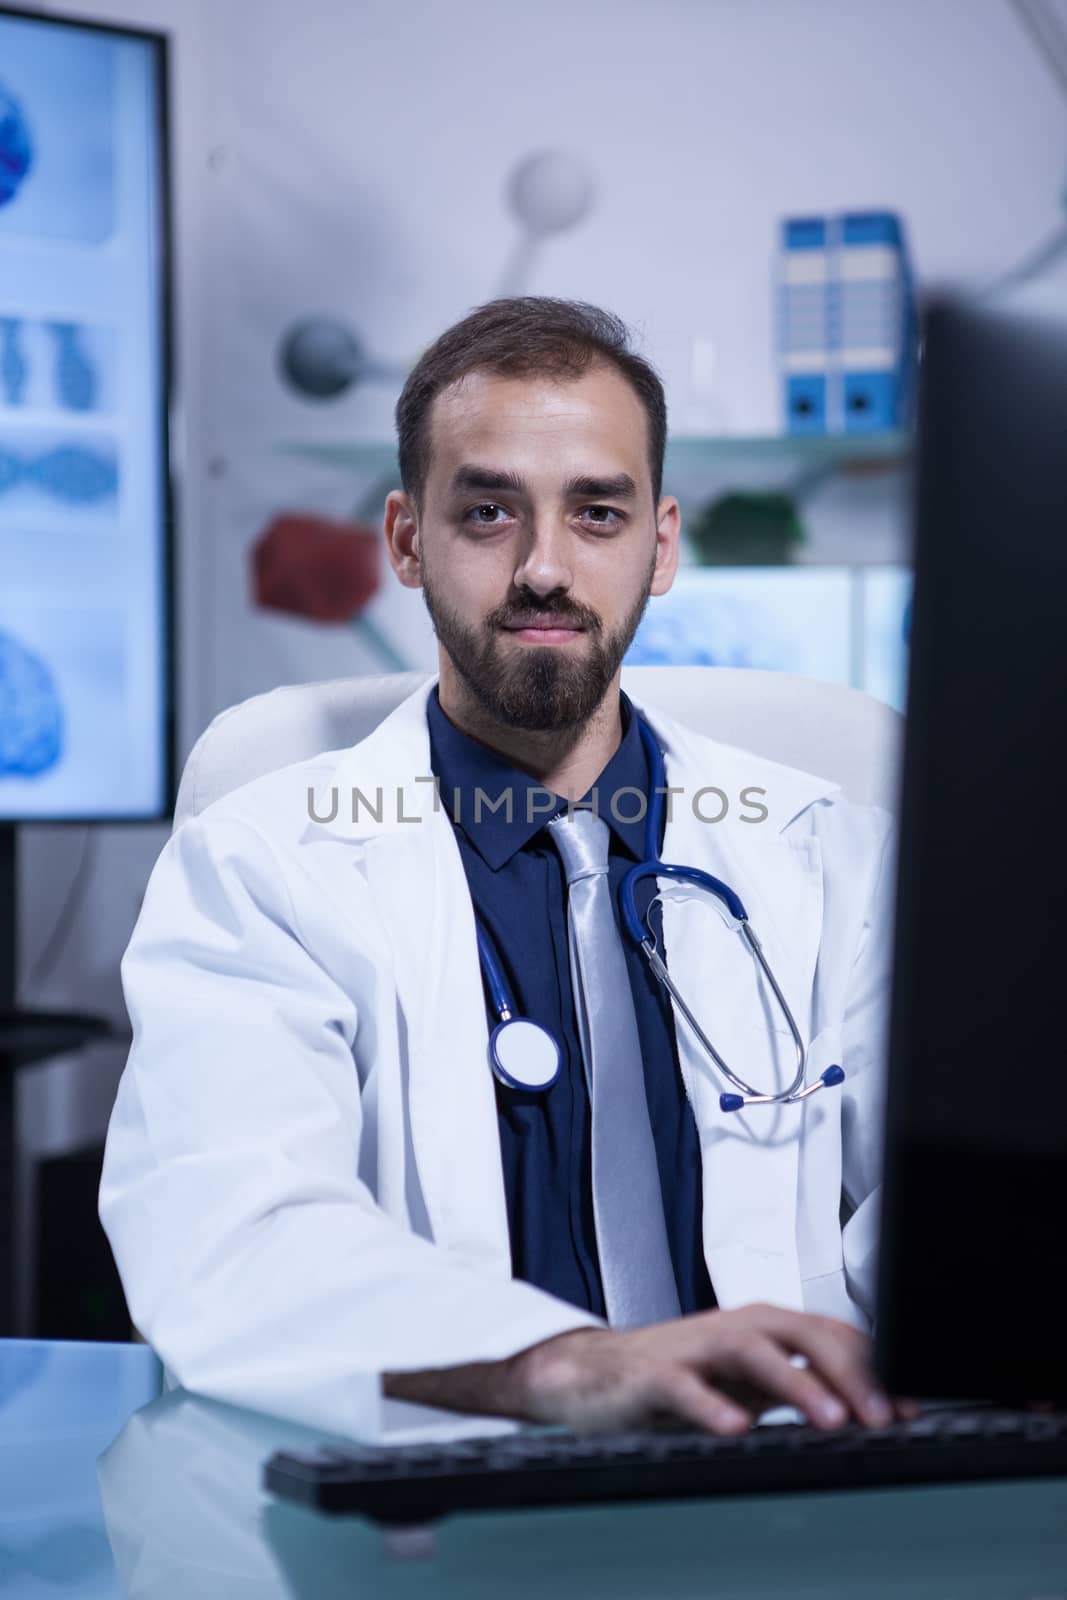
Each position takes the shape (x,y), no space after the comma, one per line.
(83,561)
(845,625)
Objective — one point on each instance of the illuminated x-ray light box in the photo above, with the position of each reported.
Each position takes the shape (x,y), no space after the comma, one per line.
(838,624)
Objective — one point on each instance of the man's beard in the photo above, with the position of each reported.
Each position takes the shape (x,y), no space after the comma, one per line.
(541,688)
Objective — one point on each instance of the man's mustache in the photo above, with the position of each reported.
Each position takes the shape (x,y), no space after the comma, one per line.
(564,616)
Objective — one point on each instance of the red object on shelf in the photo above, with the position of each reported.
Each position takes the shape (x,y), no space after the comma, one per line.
(316,568)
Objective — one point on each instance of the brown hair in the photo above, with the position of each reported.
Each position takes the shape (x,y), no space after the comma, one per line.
(527,334)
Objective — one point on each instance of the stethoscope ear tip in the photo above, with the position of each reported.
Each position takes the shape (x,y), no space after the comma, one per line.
(826,1080)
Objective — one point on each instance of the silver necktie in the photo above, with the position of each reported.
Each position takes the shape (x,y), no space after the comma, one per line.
(635,1257)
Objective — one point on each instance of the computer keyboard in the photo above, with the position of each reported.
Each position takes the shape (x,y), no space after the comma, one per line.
(417,1483)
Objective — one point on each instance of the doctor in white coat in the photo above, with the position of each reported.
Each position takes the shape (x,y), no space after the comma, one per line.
(303,1183)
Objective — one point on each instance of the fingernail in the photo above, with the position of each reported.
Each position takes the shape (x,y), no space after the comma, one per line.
(878,1410)
(831,1411)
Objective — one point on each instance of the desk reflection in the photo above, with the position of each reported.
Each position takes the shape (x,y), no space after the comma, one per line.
(186,1516)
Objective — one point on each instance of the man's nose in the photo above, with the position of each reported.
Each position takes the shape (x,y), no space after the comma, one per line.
(545,562)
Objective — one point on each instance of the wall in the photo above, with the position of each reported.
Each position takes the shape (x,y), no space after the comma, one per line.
(351,157)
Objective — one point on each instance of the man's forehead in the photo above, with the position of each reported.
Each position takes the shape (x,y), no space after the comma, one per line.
(485,413)
(496,407)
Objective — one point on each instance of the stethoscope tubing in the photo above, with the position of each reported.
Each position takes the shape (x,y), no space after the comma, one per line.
(744,1094)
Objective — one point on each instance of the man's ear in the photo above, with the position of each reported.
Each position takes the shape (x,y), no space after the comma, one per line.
(668,531)
(401,529)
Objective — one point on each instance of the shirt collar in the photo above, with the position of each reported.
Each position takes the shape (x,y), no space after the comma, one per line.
(463,765)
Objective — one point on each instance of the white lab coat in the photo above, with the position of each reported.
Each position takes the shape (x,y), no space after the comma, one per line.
(302,1183)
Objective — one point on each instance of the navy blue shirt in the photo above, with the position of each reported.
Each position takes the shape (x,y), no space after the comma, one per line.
(519,890)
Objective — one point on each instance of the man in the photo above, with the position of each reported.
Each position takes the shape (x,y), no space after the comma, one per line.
(321,1200)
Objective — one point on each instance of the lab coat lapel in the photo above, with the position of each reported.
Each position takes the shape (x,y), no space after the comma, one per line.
(750,1158)
(415,874)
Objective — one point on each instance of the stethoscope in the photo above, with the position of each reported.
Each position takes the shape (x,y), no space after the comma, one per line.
(525,1055)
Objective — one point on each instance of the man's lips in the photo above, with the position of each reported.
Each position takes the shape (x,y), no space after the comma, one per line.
(550,624)
(544,632)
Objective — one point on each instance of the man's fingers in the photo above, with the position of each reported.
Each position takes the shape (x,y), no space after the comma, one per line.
(838,1355)
(766,1364)
(687,1396)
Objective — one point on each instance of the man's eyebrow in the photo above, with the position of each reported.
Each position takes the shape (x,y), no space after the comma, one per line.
(469,477)
(472,477)
(619,487)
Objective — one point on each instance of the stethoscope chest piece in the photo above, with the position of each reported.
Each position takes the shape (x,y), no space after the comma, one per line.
(524,1055)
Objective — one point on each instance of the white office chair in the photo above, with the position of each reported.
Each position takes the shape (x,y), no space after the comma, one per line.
(832,731)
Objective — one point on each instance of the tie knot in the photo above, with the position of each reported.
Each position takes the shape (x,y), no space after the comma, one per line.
(582,840)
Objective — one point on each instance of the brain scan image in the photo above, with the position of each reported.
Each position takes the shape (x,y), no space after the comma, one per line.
(31,717)
(782,619)
(57,95)
(64,678)
(16,151)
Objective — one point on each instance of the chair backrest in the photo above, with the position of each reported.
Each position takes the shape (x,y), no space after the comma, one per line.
(835,732)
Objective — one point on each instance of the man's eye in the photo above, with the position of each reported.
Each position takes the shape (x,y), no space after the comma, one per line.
(475,513)
(600,514)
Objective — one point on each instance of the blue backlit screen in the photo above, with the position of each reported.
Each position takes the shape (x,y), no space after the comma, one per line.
(85,651)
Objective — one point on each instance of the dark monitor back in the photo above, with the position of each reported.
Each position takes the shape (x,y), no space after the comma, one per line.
(973,1264)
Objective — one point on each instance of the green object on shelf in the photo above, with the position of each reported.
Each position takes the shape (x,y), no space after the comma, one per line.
(746,530)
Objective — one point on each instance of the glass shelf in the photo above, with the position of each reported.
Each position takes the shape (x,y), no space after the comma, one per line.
(795,452)
(740,460)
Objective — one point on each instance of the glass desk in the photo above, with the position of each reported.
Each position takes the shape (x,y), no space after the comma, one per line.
(108,1489)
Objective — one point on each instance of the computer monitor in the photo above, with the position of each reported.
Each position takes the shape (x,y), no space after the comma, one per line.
(86,668)
(974,1223)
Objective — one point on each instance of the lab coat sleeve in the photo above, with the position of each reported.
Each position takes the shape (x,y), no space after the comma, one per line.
(864,1050)
(254,1259)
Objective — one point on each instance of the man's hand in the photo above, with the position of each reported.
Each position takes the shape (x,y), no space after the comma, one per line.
(715,1370)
